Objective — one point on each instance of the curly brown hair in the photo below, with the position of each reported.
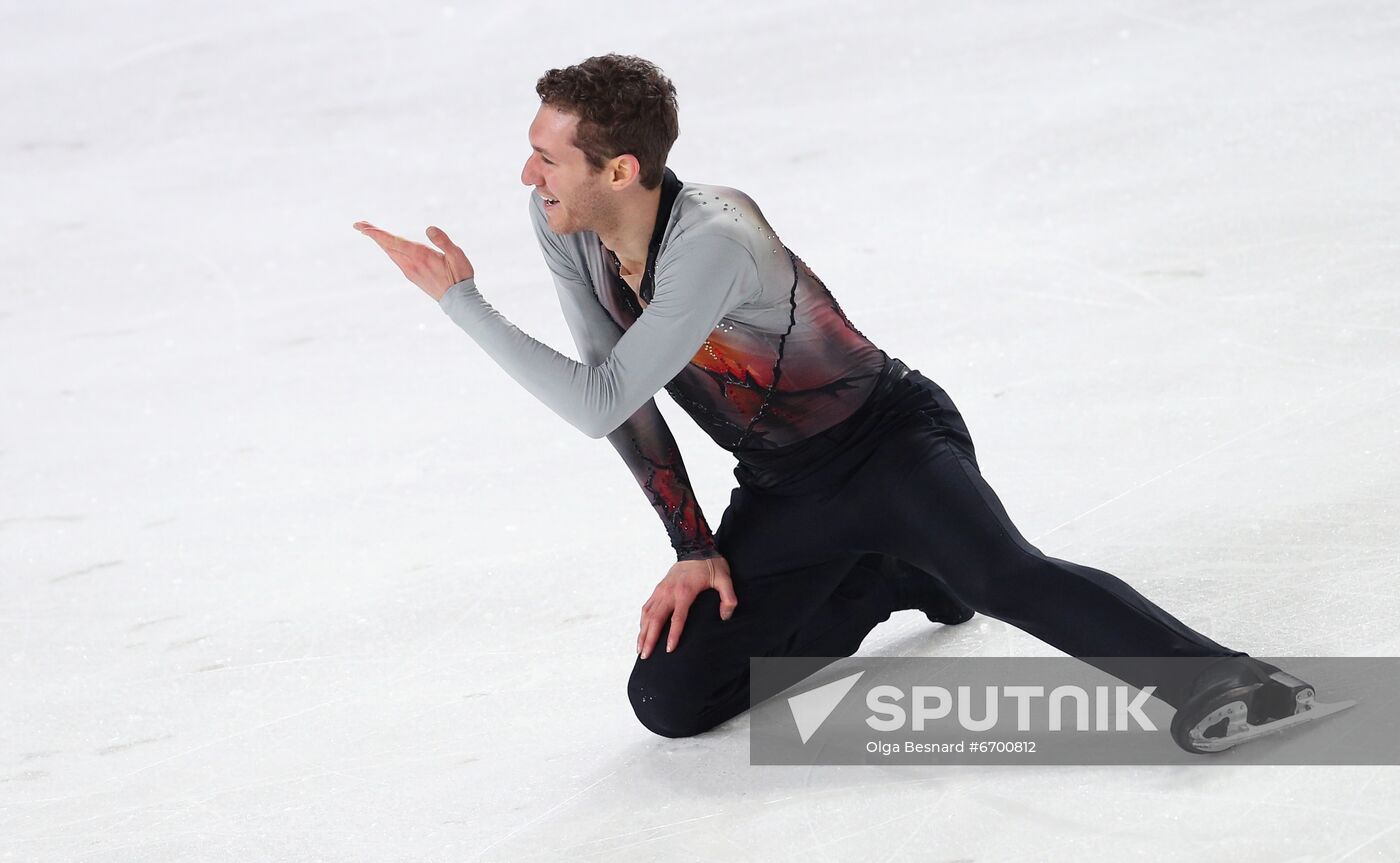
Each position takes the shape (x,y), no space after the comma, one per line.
(624,105)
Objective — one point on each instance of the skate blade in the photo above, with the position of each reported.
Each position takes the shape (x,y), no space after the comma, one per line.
(1253,732)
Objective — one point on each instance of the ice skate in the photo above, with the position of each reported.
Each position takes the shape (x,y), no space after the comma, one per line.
(1240,699)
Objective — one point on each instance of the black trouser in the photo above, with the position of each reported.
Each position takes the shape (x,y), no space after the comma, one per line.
(803,534)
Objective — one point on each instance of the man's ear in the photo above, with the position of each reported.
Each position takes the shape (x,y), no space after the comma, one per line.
(625,170)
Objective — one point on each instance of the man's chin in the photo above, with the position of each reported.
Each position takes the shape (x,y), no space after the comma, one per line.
(565,228)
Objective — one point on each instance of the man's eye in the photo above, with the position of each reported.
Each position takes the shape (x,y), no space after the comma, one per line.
(546,161)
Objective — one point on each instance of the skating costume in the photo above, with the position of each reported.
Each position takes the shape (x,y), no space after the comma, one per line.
(846,457)
(744,337)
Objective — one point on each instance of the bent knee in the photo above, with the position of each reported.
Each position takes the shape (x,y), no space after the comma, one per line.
(668,717)
(669,723)
(663,708)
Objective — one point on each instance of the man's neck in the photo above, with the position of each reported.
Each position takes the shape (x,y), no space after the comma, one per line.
(630,237)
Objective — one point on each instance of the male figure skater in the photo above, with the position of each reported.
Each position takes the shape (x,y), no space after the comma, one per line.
(859,491)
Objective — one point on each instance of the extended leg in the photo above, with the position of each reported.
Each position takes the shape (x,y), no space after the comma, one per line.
(924,499)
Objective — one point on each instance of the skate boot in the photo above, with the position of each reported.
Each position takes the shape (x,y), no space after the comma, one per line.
(1238,699)
(926,592)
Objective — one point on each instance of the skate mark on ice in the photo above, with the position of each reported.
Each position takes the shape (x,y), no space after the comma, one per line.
(1063,298)
(1183,273)
(85,570)
(1160,306)
(34,145)
(220,666)
(159,620)
(429,650)
(1370,840)
(550,811)
(122,747)
(176,645)
(6,522)
(1328,394)
(105,334)
(644,835)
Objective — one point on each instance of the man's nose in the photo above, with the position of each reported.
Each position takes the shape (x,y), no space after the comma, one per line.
(527,174)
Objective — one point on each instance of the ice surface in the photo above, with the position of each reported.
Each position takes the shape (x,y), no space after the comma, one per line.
(289,571)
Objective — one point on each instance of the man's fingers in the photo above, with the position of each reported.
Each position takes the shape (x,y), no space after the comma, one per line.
(370,230)
(460,267)
(408,265)
(385,240)
(653,613)
(727,598)
(649,636)
(721,582)
(440,238)
(383,237)
(677,624)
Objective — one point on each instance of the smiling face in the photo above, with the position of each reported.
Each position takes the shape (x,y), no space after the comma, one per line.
(558,170)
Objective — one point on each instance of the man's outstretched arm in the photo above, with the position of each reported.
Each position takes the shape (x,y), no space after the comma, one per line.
(700,280)
(436,272)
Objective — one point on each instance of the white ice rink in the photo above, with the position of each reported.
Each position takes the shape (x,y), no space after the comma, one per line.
(290,571)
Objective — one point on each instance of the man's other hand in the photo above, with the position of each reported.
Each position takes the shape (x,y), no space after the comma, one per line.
(672,598)
(429,269)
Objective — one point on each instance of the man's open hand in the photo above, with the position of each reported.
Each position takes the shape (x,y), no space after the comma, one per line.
(429,269)
(672,598)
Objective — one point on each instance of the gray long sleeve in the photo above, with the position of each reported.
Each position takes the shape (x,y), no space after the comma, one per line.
(700,278)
